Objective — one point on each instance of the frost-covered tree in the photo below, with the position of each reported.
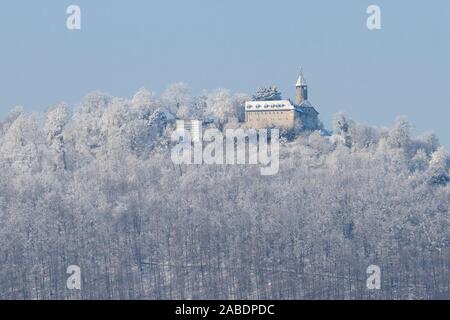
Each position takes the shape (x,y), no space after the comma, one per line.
(22,144)
(400,135)
(57,118)
(175,96)
(198,107)
(439,167)
(239,105)
(10,118)
(145,102)
(342,125)
(267,94)
(220,106)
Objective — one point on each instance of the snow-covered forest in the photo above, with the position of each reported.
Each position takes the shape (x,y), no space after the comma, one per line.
(95,187)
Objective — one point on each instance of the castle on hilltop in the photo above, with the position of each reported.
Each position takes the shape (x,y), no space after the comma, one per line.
(272,111)
(266,110)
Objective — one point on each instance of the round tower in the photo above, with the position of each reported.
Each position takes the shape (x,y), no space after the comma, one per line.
(301,90)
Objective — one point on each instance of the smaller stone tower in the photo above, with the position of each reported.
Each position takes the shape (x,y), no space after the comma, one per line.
(301,90)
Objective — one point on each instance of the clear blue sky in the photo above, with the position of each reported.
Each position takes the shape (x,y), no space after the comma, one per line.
(374,76)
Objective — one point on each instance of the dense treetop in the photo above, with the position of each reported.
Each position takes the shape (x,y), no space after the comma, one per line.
(96,188)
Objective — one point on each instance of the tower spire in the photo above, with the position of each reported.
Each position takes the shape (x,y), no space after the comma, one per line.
(301,89)
(301,80)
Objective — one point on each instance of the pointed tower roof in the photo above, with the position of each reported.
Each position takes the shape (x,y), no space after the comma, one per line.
(301,80)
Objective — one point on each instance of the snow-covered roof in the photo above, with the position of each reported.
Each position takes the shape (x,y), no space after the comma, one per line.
(269,105)
(301,80)
(306,104)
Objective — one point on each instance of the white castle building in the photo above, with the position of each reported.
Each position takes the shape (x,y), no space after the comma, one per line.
(283,113)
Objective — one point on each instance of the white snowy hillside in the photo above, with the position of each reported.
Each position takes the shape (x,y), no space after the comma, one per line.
(96,188)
